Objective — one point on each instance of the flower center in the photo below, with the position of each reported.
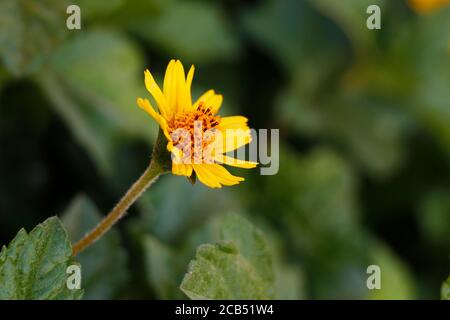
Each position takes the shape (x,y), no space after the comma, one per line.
(193,132)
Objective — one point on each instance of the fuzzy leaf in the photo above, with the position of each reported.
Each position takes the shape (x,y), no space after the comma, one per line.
(238,267)
(33,266)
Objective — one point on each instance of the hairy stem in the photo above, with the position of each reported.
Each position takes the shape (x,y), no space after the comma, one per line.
(149,176)
(160,164)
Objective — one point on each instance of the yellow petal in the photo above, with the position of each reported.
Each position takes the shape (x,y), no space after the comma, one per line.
(232,139)
(182,169)
(189,78)
(168,88)
(205,176)
(214,103)
(180,86)
(234,122)
(171,91)
(235,162)
(155,91)
(208,94)
(176,153)
(168,77)
(214,175)
(223,176)
(235,133)
(145,104)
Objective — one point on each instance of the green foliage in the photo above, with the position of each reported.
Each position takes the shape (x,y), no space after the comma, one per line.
(237,267)
(325,204)
(348,121)
(431,104)
(324,225)
(364,147)
(96,9)
(350,16)
(311,105)
(273,18)
(29,31)
(97,105)
(176,228)
(207,35)
(33,266)
(105,262)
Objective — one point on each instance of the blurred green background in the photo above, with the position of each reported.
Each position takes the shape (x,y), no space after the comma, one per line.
(364,119)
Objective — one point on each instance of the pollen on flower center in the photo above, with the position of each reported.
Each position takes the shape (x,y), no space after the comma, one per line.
(192,132)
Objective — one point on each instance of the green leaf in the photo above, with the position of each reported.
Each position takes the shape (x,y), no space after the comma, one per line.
(196,32)
(251,244)
(445,290)
(237,267)
(33,266)
(176,228)
(104,263)
(29,31)
(164,263)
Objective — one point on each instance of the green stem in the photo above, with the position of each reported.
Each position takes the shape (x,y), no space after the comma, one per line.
(149,176)
(158,166)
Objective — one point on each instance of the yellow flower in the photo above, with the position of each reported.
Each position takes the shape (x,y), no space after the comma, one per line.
(197,136)
(426,6)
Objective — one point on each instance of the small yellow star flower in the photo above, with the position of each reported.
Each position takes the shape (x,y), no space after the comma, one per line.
(197,136)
